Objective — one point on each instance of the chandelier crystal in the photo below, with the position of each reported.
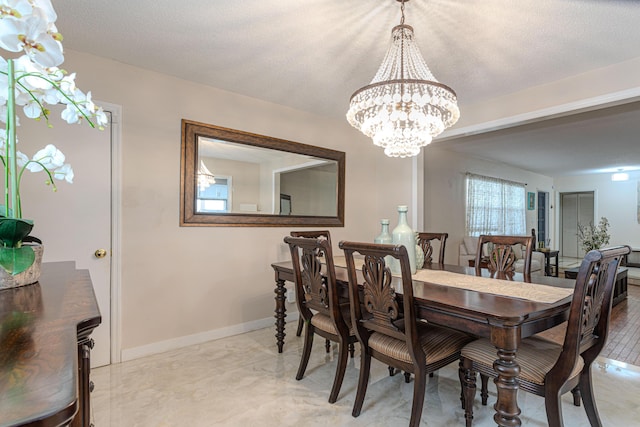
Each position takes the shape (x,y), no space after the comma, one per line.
(404,107)
(205,177)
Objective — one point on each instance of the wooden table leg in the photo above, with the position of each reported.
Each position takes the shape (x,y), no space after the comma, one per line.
(280,313)
(506,340)
(507,411)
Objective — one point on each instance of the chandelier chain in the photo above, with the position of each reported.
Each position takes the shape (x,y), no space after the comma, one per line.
(402,11)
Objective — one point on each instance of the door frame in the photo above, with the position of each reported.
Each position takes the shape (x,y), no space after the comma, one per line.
(116,229)
(546,233)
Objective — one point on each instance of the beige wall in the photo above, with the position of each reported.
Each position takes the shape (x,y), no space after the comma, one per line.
(617,201)
(181,281)
(312,190)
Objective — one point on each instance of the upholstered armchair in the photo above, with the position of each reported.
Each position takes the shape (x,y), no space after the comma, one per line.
(469,246)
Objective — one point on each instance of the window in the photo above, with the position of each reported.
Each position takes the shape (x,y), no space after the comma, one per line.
(215,197)
(495,206)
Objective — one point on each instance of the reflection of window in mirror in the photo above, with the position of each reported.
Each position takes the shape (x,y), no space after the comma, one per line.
(285,204)
(215,197)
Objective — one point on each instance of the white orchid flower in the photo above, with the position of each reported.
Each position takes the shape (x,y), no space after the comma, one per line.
(16,8)
(32,109)
(64,172)
(71,114)
(101,118)
(46,7)
(29,26)
(24,65)
(68,83)
(21,158)
(31,34)
(49,157)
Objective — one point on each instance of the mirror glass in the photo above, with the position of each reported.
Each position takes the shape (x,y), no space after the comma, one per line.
(231,177)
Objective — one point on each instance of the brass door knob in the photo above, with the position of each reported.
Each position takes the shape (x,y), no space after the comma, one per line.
(100,253)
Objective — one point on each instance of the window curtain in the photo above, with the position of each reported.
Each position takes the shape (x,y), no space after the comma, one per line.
(495,206)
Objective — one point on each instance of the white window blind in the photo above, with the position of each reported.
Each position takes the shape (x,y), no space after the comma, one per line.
(495,206)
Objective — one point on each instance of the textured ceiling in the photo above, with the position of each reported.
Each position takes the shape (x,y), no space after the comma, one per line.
(313,54)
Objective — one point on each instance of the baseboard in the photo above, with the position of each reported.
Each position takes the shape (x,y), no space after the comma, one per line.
(202,337)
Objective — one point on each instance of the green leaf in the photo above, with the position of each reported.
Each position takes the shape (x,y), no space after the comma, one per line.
(13,230)
(16,260)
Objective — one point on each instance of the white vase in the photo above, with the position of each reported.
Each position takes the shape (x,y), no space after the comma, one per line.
(27,277)
(384,237)
(404,235)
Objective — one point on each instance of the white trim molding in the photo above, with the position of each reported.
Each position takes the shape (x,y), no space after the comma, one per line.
(202,337)
(568,109)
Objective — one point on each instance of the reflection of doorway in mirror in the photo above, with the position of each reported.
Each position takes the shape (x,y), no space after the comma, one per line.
(285,204)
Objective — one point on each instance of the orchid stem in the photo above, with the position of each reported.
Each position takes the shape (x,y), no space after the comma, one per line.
(11,199)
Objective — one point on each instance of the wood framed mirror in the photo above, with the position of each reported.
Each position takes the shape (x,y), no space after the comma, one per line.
(234,178)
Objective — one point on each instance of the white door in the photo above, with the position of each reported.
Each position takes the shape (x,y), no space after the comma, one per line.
(576,208)
(74,221)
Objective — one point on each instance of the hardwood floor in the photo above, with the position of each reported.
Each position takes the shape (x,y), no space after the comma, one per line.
(623,343)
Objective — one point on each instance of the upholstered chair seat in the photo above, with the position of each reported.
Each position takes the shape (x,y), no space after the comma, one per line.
(536,357)
(325,323)
(437,343)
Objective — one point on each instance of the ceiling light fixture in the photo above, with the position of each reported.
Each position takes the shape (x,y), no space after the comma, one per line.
(404,107)
(620,176)
(205,177)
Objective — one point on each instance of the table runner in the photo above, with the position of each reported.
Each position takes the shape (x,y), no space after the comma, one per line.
(528,291)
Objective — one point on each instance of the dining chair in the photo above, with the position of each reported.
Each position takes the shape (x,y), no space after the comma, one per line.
(312,234)
(499,257)
(386,324)
(318,304)
(425,241)
(549,369)
(502,252)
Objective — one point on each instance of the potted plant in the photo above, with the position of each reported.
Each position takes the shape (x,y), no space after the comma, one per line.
(30,82)
(594,237)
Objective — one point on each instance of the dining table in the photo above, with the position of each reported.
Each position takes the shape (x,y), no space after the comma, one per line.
(504,310)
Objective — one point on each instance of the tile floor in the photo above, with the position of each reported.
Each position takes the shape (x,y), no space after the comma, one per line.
(243,381)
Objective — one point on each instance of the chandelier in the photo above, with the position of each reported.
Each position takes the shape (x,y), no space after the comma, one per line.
(404,107)
(205,177)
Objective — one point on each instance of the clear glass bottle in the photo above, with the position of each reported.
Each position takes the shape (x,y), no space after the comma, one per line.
(404,235)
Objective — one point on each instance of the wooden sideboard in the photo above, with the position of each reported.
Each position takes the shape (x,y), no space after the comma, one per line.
(45,349)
